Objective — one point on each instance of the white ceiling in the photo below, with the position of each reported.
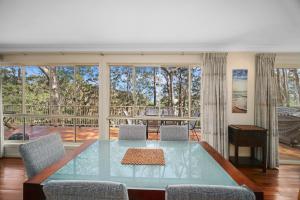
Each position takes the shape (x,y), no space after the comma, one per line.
(150,25)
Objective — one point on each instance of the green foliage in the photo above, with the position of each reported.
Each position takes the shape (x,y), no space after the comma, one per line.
(12,89)
(151,86)
(65,90)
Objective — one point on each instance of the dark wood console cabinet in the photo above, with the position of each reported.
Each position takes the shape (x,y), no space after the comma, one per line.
(248,136)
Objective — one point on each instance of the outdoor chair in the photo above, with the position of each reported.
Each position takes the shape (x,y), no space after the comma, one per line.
(132,132)
(174,133)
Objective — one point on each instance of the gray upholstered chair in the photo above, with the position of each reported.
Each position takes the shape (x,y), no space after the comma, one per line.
(174,133)
(204,192)
(84,190)
(41,153)
(132,132)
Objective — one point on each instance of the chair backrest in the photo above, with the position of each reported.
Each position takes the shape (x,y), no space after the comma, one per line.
(84,190)
(151,112)
(41,153)
(202,192)
(132,132)
(174,133)
(129,121)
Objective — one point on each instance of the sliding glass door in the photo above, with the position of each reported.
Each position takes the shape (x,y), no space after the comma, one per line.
(288,99)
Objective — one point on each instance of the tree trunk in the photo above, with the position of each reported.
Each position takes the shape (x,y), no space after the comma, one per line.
(295,73)
(171,89)
(180,96)
(55,93)
(279,90)
(154,86)
(50,72)
(54,104)
(285,87)
(169,78)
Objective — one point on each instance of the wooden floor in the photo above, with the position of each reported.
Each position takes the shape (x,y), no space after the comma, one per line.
(282,184)
(12,176)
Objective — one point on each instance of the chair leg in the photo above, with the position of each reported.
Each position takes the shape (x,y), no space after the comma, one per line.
(195,133)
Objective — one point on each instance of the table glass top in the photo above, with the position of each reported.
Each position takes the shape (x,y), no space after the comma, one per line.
(185,163)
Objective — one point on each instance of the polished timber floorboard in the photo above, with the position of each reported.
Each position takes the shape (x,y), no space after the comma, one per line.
(280,184)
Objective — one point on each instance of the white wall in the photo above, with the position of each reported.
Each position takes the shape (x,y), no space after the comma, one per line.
(241,61)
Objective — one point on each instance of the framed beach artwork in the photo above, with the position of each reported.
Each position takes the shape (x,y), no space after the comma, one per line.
(239,90)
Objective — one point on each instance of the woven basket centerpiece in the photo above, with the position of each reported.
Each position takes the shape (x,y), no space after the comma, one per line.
(139,156)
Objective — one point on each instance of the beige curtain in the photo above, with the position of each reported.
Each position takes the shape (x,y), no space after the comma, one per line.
(265,104)
(1,121)
(214,101)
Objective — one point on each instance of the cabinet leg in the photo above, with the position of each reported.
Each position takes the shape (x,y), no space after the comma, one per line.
(264,149)
(236,154)
(252,153)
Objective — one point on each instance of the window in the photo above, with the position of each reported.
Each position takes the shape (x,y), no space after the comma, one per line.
(288,100)
(12,89)
(146,92)
(37,90)
(174,91)
(139,91)
(196,91)
(121,96)
(39,100)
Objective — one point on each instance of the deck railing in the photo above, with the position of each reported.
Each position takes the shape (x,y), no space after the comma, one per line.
(148,110)
(74,116)
(45,109)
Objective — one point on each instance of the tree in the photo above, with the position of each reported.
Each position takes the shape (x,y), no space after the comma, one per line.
(285,87)
(296,78)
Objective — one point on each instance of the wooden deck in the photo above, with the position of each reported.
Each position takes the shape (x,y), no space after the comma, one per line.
(67,133)
(289,153)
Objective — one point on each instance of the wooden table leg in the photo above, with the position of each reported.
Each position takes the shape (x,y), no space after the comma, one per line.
(147,129)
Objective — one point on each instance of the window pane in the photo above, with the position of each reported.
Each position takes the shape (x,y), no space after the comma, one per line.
(146,92)
(174,93)
(121,91)
(62,89)
(12,102)
(195,91)
(87,90)
(37,91)
(12,89)
(87,101)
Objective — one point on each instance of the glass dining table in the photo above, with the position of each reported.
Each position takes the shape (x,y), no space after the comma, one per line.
(186,162)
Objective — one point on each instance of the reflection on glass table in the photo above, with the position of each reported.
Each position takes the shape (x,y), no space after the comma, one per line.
(186,162)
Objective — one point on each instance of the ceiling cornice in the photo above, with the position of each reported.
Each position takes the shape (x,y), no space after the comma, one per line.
(43,48)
